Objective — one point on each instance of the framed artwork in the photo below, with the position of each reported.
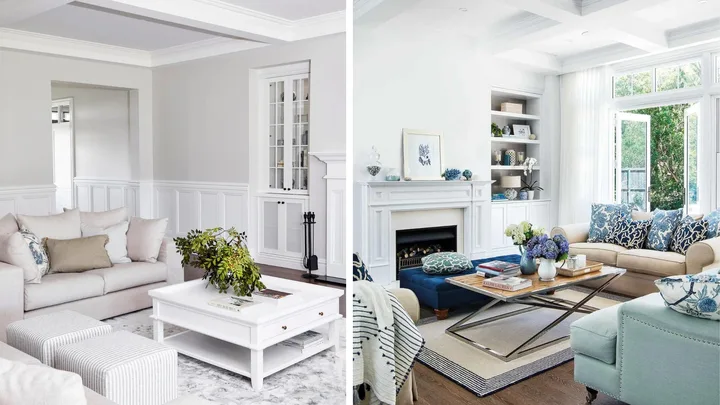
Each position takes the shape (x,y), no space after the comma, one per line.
(521,131)
(422,155)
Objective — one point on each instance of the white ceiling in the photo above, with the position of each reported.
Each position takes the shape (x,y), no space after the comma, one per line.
(560,32)
(292,9)
(107,28)
(152,33)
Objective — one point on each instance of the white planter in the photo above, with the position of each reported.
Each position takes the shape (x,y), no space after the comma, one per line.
(531,194)
(546,270)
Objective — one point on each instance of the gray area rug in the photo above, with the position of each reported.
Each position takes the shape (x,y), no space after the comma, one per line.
(318,380)
(481,373)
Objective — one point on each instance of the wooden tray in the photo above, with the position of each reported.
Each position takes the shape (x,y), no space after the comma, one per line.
(590,266)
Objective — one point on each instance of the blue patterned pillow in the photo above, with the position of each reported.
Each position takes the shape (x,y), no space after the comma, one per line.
(38,251)
(692,294)
(663,228)
(688,232)
(360,272)
(713,220)
(602,221)
(630,234)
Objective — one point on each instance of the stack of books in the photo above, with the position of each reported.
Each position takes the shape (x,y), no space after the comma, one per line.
(507,283)
(497,268)
(305,341)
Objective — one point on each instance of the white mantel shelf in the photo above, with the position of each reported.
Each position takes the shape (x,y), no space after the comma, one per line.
(377,202)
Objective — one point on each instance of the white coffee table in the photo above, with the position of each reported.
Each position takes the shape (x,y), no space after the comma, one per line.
(246,342)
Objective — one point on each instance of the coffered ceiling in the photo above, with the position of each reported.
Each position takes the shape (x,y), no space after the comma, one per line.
(561,35)
(153,33)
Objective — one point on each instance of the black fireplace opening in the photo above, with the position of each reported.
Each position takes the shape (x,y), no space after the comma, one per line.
(411,245)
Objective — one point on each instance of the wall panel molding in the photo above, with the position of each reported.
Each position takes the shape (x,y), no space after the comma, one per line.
(98,194)
(336,212)
(27,200)
(201,205)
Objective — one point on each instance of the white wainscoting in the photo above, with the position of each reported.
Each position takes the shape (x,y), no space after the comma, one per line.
(201,205)
(336,195)
(97,194)
(28,200)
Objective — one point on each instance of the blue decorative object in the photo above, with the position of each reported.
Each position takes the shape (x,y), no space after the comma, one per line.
(527,265)
(689,231)
(602,221)
(523,195)
(630,234)
(37,249)
(544,247)
(713,220)
(452,174)
(662,229)
(692,294)
(467,174)
(360,272)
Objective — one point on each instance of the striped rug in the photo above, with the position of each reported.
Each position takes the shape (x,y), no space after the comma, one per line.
(483,374)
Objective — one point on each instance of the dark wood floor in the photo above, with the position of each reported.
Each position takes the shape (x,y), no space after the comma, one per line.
(553,387)
(296,275)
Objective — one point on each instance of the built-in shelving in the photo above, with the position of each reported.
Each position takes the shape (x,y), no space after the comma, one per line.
(524,117)
(514,140)
(501,167)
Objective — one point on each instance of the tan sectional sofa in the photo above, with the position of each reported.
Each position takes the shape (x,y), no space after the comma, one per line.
(644,266)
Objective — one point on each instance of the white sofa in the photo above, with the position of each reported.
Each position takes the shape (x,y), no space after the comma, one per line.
(101,293)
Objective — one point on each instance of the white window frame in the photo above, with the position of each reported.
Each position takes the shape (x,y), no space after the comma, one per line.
(653,74)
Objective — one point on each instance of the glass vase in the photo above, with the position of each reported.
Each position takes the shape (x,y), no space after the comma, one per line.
(527,265)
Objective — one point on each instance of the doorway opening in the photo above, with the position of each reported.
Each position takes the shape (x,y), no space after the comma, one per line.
(63,141)
(657,157)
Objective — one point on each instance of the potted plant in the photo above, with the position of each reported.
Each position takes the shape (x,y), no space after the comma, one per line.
(495,130)
(225,258)
(530,186)
(521,234)
(548,251)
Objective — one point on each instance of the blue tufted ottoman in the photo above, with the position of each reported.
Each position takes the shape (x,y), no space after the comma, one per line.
(434,292)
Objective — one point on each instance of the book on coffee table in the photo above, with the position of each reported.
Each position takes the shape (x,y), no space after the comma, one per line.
(482,272)
(499,266)
(231,303)
(507,283)
(305,341)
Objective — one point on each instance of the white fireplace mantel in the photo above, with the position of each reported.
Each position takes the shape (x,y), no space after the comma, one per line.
(375,201)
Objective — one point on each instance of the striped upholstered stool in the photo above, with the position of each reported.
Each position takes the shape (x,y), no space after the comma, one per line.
(123,367)
(42,335)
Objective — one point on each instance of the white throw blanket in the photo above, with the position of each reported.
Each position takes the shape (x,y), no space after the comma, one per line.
(38,385)
(385,342)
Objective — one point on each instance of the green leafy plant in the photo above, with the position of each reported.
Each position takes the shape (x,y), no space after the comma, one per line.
(495,129)
(530,186)
(224,256)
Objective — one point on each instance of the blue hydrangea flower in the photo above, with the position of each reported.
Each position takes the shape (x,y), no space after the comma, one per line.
(707,305)
(562,244)
(551,250)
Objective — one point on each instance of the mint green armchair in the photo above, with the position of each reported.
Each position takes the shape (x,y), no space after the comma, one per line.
(644,353)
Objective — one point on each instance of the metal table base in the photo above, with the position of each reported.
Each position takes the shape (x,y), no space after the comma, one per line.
(533,302)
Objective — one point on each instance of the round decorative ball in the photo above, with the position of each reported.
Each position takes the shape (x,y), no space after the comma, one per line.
(511,194)
(467,174)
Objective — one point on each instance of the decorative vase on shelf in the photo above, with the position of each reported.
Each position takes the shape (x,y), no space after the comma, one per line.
(547,271)
(523,195)
(531,194)
(392,174)
(511,157)
(527,265)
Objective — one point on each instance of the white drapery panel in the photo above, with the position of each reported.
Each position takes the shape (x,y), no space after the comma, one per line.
(586,144)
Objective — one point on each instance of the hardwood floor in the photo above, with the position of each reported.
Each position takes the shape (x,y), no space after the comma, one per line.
(296,275)
(553,387)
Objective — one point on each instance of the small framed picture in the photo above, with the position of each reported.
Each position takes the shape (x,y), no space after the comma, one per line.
(422,155)
(521,131)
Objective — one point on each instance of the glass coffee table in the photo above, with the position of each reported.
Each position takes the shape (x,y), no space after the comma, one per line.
(533,298)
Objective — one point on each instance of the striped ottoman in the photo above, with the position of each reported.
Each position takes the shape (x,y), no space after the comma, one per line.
(123,367)
(42,335)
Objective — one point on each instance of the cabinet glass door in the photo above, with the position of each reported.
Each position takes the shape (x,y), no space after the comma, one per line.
(300,134)
(276,141)
(271,225)
(294,231)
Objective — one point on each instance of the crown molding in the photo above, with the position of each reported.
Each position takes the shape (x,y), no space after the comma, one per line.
(35,42)
(201,49)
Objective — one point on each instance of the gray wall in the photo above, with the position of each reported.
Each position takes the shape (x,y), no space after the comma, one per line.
(102,131)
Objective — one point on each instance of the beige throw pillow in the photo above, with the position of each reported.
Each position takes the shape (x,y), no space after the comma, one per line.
(76,255)
(8,225)
(144,238)
(102,219)
(60,226)
(15,251)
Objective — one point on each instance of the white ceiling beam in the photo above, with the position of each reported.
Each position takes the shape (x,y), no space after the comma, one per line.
(371,13)
(12,11)
(207,15)
(610,16)
(536,61)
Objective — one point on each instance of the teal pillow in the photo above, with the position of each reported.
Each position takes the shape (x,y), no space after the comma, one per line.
(713,220)
(689,231)
(360,272)
(662,229)
(446,263)
(602,221)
